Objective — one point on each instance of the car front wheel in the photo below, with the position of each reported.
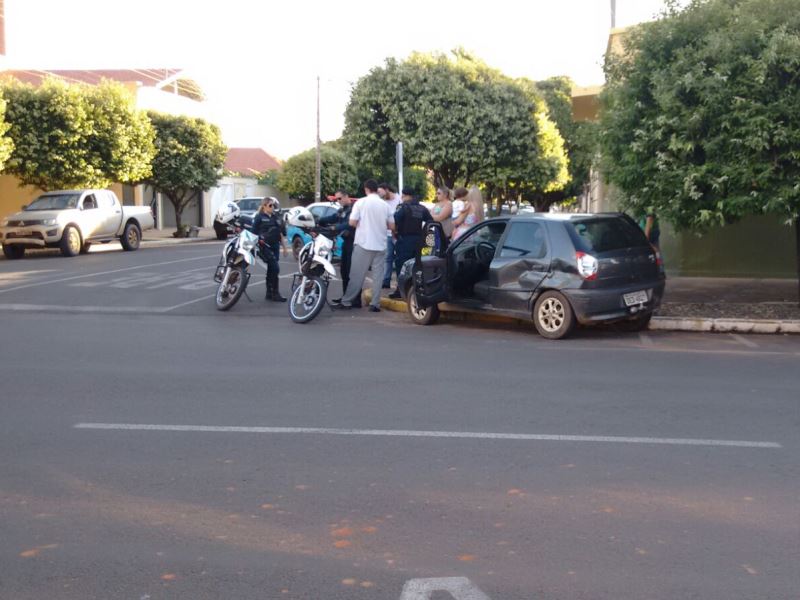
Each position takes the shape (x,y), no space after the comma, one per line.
(71,242)
(553,316)
(13,252)
(421,316)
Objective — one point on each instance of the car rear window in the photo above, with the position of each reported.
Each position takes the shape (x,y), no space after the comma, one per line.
(605,234)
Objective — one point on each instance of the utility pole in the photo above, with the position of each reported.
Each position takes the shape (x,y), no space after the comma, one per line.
(318,176)
(613,14)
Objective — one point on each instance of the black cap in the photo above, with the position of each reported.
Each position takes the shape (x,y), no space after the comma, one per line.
(407,191)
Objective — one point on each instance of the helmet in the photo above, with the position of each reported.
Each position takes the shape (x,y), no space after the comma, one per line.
(300,216)
(275,202)
(227,212)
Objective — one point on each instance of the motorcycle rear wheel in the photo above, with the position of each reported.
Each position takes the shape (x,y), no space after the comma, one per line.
(316,291)
(229,292)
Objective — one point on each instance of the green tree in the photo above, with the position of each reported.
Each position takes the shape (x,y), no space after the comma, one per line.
(338,171)
(579,143)
(701,115)
(189,158)
(76,135)
(6,143)
(456,117)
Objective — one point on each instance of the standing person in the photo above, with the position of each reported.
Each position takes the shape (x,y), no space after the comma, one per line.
(472,213)
(649,224)
(342,222)
(271,229)
(408,220)
(386,191)
(371,217)
(443,211)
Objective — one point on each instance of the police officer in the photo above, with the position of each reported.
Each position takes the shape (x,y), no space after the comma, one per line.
(409,219)
(341,221)
(270,228)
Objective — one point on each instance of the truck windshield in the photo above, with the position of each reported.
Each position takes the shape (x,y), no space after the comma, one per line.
(54,202)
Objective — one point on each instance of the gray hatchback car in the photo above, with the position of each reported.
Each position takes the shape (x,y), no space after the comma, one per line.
(558,270)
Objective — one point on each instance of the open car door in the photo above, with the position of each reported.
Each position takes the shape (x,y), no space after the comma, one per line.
(430,267)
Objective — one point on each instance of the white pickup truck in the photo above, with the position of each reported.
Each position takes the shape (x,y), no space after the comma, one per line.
(72,220)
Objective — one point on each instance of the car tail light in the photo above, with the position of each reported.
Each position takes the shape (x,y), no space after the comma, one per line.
(587,265)
(659,261)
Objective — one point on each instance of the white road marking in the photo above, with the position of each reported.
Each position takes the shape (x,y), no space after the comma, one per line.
(743,340)
(430,434)
(459,588)
(51,308)
(182,304)
(74,277)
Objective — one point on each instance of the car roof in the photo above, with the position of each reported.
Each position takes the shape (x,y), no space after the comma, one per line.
(565,216)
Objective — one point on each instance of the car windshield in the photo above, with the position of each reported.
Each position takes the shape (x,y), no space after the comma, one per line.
(249,204)
(607,234)
(54,202)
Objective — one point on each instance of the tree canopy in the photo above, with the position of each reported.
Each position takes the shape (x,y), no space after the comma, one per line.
(76,135)
(6,144)
(701,113)
(456,117)
(297,178)
(189,158)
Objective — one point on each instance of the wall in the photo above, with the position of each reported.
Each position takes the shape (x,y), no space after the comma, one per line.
(757,246)
(12,196)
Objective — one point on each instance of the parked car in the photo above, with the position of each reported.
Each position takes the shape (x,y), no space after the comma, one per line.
(298,237)
(558,270)
(248,207)
(73,220)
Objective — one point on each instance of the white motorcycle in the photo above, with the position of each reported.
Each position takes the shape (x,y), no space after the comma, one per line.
(239,254)
(310,285)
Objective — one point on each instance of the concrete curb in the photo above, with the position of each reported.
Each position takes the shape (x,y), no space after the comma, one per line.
(657,323)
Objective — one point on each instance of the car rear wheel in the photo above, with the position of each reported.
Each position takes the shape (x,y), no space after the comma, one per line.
(421,316)
(13,252)
(131,237)
(553,316)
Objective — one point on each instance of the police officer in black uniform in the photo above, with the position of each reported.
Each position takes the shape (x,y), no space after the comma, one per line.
(408,219)
(341,221)
(271,230)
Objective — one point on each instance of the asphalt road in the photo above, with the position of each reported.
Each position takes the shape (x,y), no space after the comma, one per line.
(361,456)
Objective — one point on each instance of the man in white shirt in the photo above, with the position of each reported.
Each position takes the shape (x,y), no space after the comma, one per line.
(371,216)
(389,196)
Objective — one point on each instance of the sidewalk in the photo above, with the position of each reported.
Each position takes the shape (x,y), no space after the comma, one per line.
(710,304)
(164,236)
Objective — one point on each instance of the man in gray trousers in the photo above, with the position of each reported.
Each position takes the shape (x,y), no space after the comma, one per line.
(371,216)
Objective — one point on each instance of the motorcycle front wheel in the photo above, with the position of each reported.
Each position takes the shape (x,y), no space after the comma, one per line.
(314,290)
(231,287)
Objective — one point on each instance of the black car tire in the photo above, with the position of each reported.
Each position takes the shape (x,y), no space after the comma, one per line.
(71,242)
(13,251)
(635,325)
(553,316)
(221,230)
(421,316)
(131,237)
(297,245)
(85,247)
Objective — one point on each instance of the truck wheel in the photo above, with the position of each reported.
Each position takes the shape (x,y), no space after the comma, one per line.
(71,241)
(297,245)
(553,316)
(221,231)
(131,237)
(85,247)
(13,252)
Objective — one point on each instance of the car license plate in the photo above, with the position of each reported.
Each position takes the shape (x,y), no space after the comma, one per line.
(24,233)
(635,298)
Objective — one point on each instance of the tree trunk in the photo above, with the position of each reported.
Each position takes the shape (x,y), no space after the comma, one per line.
(178,204)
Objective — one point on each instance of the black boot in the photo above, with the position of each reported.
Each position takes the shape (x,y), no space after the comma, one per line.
(269,291)
(276,293)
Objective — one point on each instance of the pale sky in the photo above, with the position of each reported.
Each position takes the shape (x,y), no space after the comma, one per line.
(257,61)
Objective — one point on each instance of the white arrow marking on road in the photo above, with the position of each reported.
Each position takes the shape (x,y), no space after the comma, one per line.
(459,588)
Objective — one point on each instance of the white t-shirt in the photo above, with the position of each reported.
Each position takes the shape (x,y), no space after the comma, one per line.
(373,215)
(458,206)
(393,204)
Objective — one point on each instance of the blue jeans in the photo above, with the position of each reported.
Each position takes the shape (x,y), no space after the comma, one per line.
(387,269)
